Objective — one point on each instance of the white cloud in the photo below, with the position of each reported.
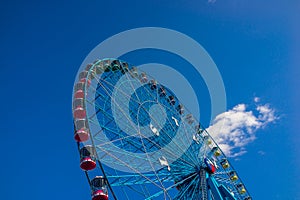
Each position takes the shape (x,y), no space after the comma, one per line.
(236,128)
(266,114)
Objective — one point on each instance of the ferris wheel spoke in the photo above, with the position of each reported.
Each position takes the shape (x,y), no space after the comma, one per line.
(130,97)
(138,180)
(155,144)
(132,125)
(132,168)
(127,138)
(151,164)
(159,193)
(108,91)
(158,174)
(195,191)
(188,152)
(142,193)
(178,146)
(184,192)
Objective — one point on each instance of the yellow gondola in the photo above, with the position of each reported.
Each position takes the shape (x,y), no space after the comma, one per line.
(241,188)
(233,176)
(207,140)
(225,164)
(216,151)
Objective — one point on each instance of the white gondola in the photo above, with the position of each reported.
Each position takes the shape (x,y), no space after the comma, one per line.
(180,109)
(133,72)
(162,92)
(153,84)
(143,77)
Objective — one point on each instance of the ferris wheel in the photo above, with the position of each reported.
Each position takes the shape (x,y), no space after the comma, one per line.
(136,140)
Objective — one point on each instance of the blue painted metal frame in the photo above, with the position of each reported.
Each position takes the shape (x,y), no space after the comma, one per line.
(219,191)
(184,172)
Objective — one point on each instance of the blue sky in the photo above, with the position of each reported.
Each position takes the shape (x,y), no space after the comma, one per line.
(254,44)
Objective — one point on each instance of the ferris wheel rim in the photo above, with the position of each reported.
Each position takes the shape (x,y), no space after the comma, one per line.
(86,81)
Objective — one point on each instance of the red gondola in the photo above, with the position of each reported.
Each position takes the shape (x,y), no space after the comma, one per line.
(87,158)
(81,135)
(79,94)
(79,113)
(83,80)
(99,188)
